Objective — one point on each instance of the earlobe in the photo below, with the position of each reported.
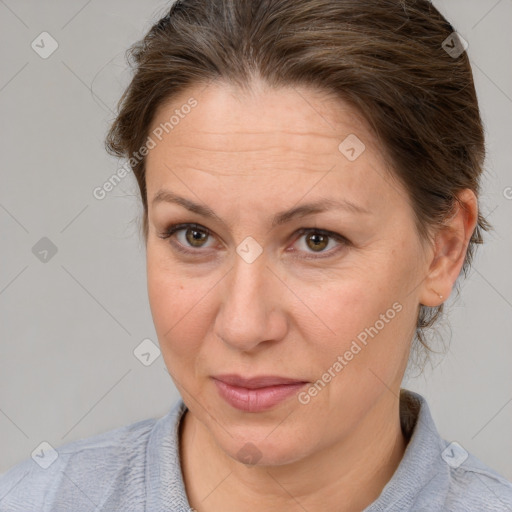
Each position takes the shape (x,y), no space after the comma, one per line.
(451,243)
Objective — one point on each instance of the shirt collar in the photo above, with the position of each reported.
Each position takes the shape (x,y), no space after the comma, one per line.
(165,489)
(420,468)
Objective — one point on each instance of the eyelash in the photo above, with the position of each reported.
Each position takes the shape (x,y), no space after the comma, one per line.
(171,230)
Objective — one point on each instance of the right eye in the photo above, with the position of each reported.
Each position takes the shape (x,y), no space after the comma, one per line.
(193,234)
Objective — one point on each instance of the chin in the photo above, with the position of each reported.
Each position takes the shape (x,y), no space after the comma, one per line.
(260,450)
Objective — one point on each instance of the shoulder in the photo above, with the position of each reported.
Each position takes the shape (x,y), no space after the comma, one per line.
(474,485)
(435,474)
(83,470)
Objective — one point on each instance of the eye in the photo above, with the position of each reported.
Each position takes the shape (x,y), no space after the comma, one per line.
(195,235)
(316,240)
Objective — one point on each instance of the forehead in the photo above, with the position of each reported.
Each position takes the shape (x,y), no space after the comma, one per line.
(287,136)
(286,116)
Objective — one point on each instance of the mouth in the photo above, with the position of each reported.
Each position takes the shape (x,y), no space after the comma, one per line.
(256,394)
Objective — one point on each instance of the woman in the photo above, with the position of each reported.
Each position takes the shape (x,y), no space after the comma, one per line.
(309,172)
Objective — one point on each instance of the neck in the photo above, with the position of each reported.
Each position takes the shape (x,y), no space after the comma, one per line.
(346,476)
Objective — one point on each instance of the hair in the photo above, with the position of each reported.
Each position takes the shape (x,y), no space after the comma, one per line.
(385,58)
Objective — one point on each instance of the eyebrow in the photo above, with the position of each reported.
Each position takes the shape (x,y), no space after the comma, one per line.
(280,218)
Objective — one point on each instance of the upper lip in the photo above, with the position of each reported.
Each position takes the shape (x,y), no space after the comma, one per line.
(260,381)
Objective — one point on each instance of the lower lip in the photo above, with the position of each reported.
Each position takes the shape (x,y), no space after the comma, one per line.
(256,400)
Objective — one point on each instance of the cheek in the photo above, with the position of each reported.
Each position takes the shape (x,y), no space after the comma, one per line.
(366,355)
(176,310)
(347,305)
(365,318)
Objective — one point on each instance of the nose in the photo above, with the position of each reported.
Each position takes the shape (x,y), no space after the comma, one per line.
(252,310)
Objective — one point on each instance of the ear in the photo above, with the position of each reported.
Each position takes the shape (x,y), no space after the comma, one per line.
(451,243)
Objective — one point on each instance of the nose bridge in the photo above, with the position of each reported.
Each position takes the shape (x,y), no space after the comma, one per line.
(247,314)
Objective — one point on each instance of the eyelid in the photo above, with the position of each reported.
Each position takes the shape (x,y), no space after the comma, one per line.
(171,230)
(174,228)
(343,241)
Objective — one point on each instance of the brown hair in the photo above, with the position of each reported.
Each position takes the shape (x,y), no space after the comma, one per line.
(386,58)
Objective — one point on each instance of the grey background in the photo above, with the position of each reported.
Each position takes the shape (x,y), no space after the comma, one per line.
(69,326)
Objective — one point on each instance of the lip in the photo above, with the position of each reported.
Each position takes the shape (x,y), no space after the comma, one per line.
(258,393)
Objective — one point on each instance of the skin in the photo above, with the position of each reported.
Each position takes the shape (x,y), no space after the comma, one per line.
(247,156)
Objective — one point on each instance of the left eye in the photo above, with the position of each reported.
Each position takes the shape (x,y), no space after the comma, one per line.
(195,234)
(318,240)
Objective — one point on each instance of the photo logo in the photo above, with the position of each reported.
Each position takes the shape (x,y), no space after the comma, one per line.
(352,147)
(146,352)
(454,455)
(44,250)
(455,45)
(44,45)
(45,455)
(249,249)
(249,454)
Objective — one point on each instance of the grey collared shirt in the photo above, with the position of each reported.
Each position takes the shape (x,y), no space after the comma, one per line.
(136,468)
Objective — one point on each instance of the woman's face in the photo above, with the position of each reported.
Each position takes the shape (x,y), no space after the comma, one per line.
(236,294)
